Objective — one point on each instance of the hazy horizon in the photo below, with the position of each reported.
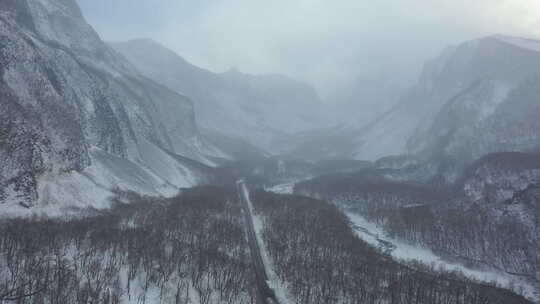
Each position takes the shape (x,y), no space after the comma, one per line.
(326,44)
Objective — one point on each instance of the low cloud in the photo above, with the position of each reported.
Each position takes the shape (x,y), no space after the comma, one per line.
(326,43)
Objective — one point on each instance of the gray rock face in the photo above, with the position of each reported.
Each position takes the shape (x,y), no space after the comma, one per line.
(460,96)
(473,126)
(258,109)
(65,93)
(365,99)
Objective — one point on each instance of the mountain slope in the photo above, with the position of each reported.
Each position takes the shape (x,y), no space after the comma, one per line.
(464,86)
(76,120)
(258,109)
(491,117)
(487,222)
(365,99)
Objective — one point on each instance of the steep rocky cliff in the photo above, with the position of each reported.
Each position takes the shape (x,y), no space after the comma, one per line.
(256,108)
(77,120)
(474,99)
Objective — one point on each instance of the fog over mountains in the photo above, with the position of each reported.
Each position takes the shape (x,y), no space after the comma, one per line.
(259,109)
(82,103)
(130,175)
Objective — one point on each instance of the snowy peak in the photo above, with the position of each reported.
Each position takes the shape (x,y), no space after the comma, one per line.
(468,82)
(524,43)
(495,57)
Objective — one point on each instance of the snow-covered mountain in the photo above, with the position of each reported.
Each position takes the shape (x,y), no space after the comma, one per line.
(476,98)
(77,120)
(258,109)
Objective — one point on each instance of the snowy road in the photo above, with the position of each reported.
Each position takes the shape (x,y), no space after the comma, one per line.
(266,294)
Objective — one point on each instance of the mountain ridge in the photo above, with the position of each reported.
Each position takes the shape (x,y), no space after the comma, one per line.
(256,108)
(445,78)
(71,104)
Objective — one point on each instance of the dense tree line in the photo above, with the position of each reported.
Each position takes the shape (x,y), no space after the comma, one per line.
(370,193)
(320,259)
(479,232)
(474,232)
(189,248)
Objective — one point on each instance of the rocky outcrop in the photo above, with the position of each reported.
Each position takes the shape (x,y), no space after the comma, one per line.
(68,101)
(499,177)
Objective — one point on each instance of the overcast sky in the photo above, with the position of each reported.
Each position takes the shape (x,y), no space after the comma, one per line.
(324,42)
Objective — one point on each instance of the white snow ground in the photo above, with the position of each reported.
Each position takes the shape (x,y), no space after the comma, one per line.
(286,188)
(402,251)
(154,173)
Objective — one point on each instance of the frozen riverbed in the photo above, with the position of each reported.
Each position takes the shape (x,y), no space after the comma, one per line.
(400,250)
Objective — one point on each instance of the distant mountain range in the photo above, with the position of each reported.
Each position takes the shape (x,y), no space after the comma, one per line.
(476,98)
(456,161)
(259,109)
(81,118)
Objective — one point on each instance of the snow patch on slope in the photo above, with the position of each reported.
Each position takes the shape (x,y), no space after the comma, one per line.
(63,195)
(205,151)
(165,166)
(388,137)
(156,173)
(114,172)
(500,93)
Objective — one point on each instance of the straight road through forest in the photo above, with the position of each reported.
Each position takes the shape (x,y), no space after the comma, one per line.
(265,294)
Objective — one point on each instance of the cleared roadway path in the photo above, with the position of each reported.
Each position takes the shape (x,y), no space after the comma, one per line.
(265,294)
